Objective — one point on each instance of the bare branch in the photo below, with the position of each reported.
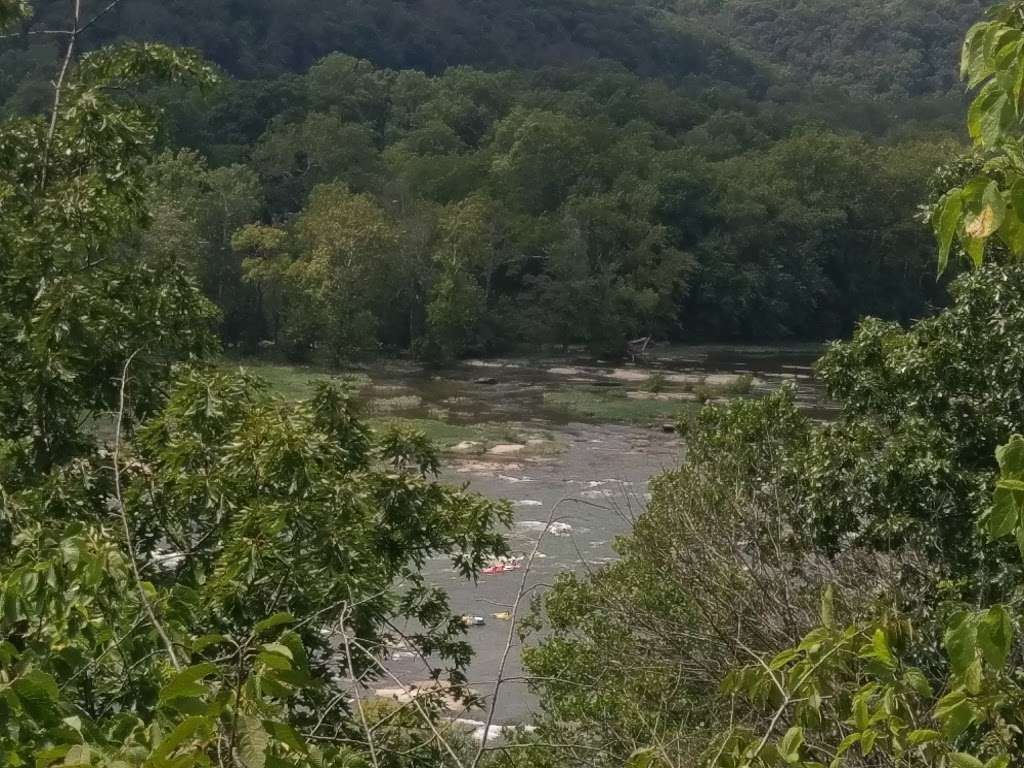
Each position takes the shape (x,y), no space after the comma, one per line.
(123,512)
(514,615)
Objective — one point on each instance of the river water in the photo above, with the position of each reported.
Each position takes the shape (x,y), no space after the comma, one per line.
(591,488)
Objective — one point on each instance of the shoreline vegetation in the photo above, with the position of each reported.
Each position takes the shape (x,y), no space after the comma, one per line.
(455,407)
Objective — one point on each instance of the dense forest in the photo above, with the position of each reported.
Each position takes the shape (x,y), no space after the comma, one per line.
(197,572)
(544,173)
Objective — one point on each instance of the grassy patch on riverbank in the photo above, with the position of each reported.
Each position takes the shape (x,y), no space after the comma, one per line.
(391,406)
(296,382)
(613,405)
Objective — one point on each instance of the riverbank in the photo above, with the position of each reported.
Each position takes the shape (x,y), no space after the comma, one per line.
(567,441)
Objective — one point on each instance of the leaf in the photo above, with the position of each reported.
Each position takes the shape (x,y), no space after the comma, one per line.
(979,109)
(285,734)
(973,50)
(922,736)
(990,218)
(945,221)
(791,743)
(861,716)
(783,658)
(1012,231)
(828,596)
(203,642)
(963,760)
(846,743)
(880,646)
(37,685)
(915,678)
(999,761)
(961,642)
(1011,457)
(867,742)
(280,649)
(79,754)
(186,729)
(973,678)
(975,249)
(641,758)
(956,715)
(274,661)
(1004,516)
(186,684)
(277,620)
(995,636)
(38,694)
(995,122)
(252,742)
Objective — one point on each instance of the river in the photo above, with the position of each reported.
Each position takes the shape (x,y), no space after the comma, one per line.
(590,474)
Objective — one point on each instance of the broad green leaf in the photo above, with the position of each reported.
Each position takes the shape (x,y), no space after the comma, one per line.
(277,620)
(274,660)
(975,249)
(846,743)
(915,678)
(186,683)
(1011,457)
(285,734)
(999,761)
(973,48)
(922,736)
(973,677)
(861,716)
(828,596)
(79,754)
(37,685)
(867,742)
(252,742)
(986,221)
(641,758)
(187,729)
(961,641)
(38,694)
(880,646)
(995,636)
(955,713)
(946,221)
(963,760)
(791,743)
(1012,231)
(200,644)
(783,658)
(1004,516)
(978,112)
(278,648)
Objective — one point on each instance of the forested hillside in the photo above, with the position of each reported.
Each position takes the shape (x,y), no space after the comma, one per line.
(572,172)
(896,48)
(885,48)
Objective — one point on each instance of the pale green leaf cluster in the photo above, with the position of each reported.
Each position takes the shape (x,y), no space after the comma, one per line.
(990,205)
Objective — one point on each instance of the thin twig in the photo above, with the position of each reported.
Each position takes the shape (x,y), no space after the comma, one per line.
(110,6)
(514,615)
(58,87)
(122,509)
(356,686)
